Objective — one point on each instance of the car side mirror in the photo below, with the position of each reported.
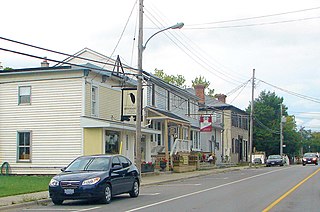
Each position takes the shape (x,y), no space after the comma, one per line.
(63,169)
(116,167)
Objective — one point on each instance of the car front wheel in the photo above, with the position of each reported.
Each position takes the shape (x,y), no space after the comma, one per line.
(107,195)
(57,201)
(135,189)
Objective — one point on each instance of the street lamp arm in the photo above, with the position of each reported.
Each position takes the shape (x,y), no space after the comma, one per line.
(176,26)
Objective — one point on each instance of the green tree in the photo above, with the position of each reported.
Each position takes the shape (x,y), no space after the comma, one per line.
(202,81)
(310,140)
(177,80)
(267,116)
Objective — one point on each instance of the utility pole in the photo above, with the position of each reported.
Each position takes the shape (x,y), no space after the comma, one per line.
(139,88)
(251,118)
(281,136)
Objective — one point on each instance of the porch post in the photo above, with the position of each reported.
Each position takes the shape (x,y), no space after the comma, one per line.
(166,142)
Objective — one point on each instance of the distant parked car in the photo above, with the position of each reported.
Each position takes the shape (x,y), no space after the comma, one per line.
(275,160)
(257,161)
(310,158)
(98,177)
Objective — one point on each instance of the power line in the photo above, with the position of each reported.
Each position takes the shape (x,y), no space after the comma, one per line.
(258,24)
(57,52)
(258,17)
(195,49)
(265,127)
(238,87)
(58,61)
(293,93)
(134,5)
(193,56)
(240,91)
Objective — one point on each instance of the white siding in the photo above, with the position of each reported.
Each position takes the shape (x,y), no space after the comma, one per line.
(53,119)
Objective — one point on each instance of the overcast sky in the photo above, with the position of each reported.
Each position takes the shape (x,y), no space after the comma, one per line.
(279,39)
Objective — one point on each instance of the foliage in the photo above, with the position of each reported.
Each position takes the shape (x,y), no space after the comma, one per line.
(7,69)
(14,185)
(266,135)
(200,80)
(310,140)
(177,80)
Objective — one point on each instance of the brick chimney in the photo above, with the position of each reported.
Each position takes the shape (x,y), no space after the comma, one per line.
(221,97)
(44,63)
(200,93)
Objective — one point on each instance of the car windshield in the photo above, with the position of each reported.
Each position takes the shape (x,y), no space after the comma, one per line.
(89,164)
(309,155)
(274,157)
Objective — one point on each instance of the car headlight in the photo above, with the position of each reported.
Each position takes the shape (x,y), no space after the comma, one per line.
(304,159)
(91,181)
(54,183)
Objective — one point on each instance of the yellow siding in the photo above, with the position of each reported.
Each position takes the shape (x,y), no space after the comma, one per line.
(93,141)
(109,103)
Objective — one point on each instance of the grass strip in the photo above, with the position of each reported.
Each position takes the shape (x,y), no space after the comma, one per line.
(14,185)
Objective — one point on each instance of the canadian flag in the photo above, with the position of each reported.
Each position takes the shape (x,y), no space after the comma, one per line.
(205,123)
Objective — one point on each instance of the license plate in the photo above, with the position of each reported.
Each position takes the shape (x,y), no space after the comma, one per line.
(272,162)
(69,191)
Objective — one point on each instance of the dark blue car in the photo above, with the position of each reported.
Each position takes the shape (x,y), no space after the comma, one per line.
(97,177)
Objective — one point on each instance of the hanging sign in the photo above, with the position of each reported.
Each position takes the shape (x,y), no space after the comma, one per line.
(205,123)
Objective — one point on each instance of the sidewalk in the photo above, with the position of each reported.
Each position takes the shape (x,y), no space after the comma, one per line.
(147,179)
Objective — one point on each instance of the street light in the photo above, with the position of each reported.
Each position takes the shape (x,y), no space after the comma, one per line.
(176,26)
(141,47)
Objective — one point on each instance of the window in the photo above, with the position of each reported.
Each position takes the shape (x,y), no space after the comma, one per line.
(24,95)
(115,162)
(24,146)
(112,142)
(168,103)
(153,95)
(124,161)
(94,101)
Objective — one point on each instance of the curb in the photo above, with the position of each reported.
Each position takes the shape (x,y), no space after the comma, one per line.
(19,205)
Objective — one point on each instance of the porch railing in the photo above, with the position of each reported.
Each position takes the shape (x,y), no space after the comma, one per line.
(180,145)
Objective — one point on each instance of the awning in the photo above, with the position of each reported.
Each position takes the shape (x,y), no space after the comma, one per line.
(89,122)
(157,114)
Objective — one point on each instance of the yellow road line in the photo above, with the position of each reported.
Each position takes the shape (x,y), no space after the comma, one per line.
(289,192)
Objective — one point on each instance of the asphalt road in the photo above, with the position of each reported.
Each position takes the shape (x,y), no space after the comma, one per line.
(245,190)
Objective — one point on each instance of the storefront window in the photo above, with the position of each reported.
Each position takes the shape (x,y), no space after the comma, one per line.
(112,142)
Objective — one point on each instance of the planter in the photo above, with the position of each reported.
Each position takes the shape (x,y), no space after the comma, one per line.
(147,168)
(163,165)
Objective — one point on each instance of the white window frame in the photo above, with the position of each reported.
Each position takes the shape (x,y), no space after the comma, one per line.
(24,146)
(94,100)
(24,94)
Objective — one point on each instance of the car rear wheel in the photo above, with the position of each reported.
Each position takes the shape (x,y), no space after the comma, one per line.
(57,201)
(135,189)
(107,195)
